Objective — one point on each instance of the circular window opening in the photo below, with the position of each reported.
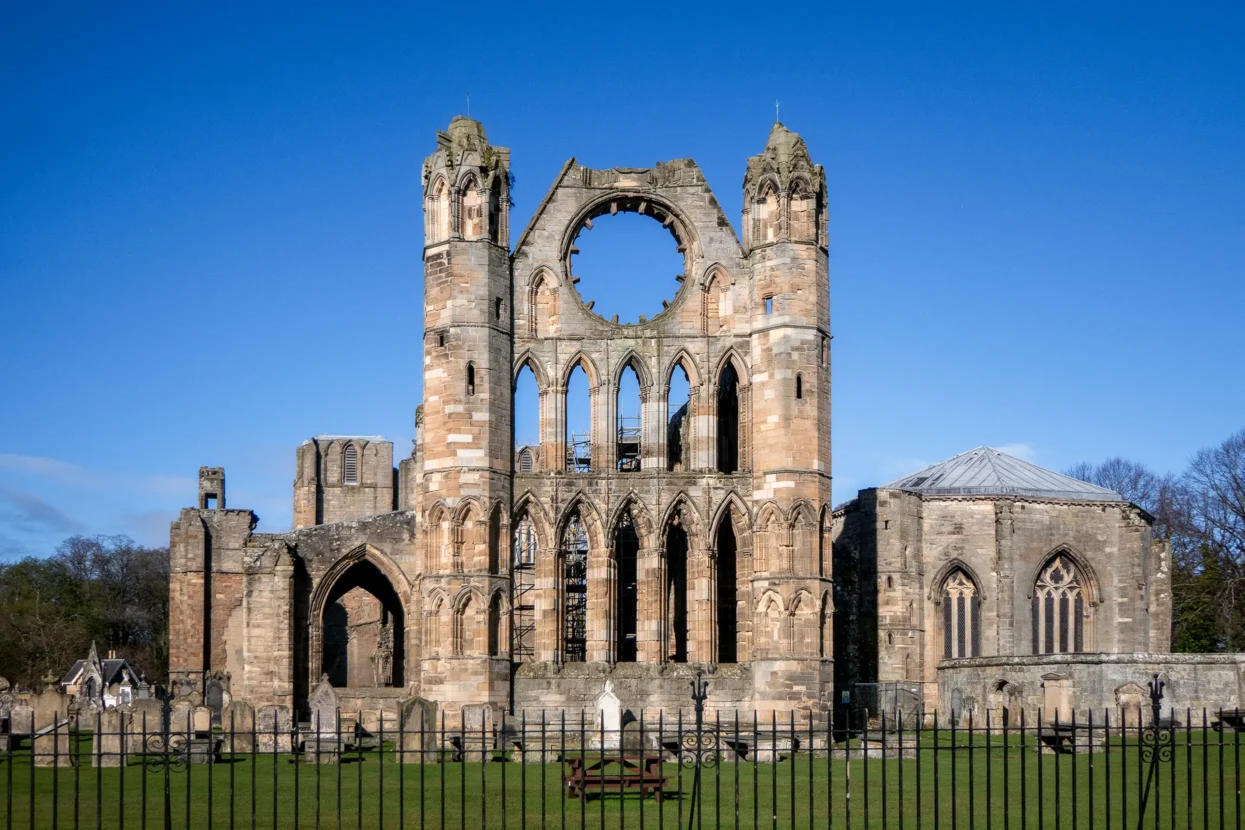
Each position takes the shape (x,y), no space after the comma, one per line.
(626,264)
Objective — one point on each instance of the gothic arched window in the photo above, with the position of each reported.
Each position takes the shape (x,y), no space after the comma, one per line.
(437,213)
(574,557)
(1059,608)
(961,616)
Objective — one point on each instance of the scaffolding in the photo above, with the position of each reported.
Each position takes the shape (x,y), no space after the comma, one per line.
(628,443)
(523,603)
(579,452)
(575,592)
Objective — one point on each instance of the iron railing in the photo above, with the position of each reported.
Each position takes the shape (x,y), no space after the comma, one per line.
(1121,768)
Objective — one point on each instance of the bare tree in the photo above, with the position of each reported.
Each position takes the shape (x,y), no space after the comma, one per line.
(1208,543)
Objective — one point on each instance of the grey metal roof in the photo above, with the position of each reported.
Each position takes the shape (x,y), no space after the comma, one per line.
(986,471)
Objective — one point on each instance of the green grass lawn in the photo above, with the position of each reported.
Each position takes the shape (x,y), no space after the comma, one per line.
(989,786)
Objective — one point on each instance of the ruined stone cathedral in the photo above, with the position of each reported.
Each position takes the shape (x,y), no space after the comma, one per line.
(479,577)
(482,577)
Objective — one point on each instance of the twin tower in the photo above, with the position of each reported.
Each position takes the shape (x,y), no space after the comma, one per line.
(696,537)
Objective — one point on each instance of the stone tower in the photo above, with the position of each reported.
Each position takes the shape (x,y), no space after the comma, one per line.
(466,475)
(785,242)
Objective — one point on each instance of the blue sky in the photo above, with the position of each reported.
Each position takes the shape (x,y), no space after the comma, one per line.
(210,226)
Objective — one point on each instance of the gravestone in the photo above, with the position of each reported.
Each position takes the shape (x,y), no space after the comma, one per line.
(215,696)
(272,729)
(608,733)
(147,716)
(181,716)
(50,745)
(201,720)
(22,718)
(324,707)
(108,743)
(50,707)
(323,744)
(419,719)
(236,719)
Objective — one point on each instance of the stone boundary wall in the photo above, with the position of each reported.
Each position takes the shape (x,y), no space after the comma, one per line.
(1077,682)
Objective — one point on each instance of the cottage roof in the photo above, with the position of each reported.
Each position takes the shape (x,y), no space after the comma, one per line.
(985,471)
(110,669)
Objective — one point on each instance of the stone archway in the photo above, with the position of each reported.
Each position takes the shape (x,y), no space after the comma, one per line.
(358,624)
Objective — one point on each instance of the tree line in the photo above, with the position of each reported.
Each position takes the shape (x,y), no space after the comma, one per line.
(103,588)
(1202,512)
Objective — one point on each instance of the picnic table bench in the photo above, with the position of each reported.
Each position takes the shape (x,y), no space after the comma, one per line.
(589,776)
(1231,718)
(1058,737)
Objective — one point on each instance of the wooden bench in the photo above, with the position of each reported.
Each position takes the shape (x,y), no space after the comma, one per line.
(589,776)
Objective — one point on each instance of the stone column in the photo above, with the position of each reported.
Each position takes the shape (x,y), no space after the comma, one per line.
(661,440)
(700,598)
(558,440)
(1004,583)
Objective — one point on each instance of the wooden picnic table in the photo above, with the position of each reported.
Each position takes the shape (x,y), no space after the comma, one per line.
(1058,737)
(1232,718)
(591,775)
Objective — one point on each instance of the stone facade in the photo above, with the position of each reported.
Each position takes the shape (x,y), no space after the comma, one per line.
(1113,686)
(925,575)
(701,542)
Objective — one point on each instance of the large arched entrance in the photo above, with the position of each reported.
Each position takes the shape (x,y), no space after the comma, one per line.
(362,629)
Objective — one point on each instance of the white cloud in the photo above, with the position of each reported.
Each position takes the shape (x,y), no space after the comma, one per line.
(35,465)
(1023,451)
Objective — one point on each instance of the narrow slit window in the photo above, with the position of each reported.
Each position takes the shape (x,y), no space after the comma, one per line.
(471,379)
(769,305)
(799,388)
(497,308)
(440,338)
(350,465)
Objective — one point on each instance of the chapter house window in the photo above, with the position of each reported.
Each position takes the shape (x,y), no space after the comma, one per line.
(1059,608)
(961,617)
(350,465)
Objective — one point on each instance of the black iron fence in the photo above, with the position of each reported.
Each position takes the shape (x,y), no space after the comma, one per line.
(1125,768)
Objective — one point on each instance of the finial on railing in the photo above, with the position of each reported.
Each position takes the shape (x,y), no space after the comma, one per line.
(700,691)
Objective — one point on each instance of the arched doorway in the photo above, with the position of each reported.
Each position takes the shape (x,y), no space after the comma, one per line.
(362,629)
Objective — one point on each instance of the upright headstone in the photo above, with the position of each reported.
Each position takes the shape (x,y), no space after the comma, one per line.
(236,720)
(146,718)
(181,716)
(609,719)
(323,744)
(201,719)
(108,745)
(272,729)
(51,707)
(22,718)
(323,704)
(50,745)
(214,696)
(418,730)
